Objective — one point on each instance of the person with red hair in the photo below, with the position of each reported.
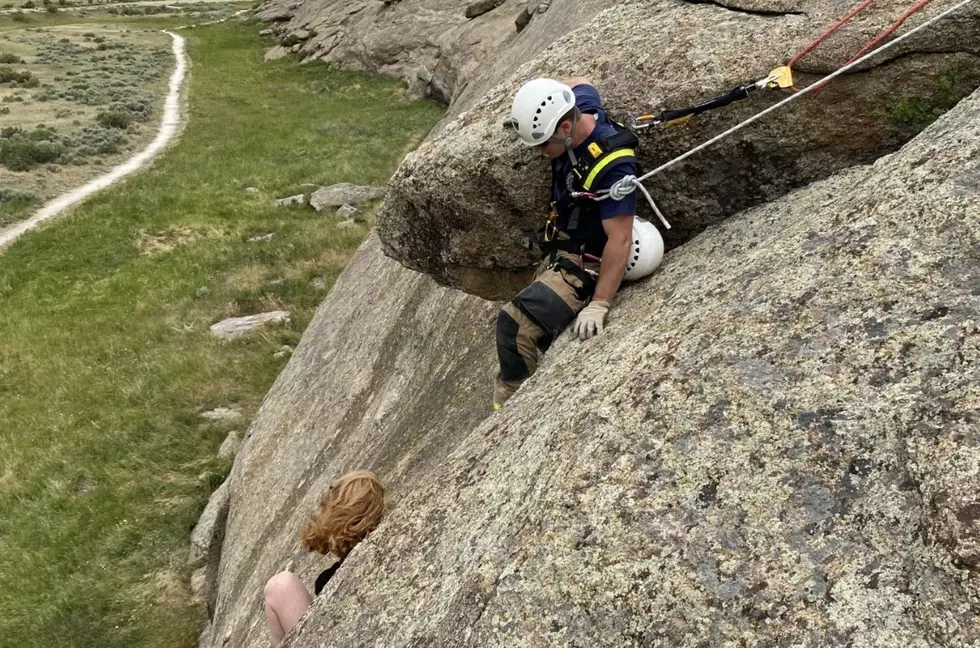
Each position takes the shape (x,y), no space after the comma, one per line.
(352,508)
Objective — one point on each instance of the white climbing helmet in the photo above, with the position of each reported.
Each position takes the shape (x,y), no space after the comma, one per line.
(646,251)
(537,108)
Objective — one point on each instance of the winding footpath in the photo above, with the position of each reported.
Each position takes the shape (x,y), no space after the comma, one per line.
(168,129)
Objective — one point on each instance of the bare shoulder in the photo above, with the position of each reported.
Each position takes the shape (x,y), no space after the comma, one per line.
(574,81)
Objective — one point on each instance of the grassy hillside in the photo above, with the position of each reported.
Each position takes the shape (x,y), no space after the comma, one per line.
(106,362)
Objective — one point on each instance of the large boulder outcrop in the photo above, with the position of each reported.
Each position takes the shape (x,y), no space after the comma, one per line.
(439,50)
(457,206)
(774,443)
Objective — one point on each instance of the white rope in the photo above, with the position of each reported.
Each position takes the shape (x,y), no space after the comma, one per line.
(628,184)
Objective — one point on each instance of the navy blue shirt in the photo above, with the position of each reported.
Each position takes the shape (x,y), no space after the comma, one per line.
(587,100)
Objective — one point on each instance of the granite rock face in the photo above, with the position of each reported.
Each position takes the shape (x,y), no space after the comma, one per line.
(774,443)
(392,373)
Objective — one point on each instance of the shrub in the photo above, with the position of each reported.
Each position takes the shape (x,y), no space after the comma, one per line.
(51,8)
(114,119)
(22,154)
(22,79)
(7,57)
(28,5)
(11,195)
(19,16)
(5,110)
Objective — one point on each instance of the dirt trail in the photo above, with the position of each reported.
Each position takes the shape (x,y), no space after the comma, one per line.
(168,128)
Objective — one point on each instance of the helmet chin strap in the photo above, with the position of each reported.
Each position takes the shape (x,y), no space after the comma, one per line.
(568,140)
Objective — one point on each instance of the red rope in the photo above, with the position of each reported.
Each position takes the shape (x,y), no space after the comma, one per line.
(830,30)
(888,32)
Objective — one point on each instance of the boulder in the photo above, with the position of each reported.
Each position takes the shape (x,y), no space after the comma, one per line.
(208,532)
(774,442)
(237,326)
(342,194)
(274,53)
(398,39)
(229,447)
(205,553)
(457,206)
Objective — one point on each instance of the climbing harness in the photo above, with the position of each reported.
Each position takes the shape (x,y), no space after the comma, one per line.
(628,184)
(582,234)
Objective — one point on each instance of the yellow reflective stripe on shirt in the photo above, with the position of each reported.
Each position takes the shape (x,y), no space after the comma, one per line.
(603,163)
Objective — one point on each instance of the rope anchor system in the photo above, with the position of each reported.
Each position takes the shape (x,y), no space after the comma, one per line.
(779,78)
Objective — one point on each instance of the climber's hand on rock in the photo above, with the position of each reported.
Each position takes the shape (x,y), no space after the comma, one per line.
(591,320)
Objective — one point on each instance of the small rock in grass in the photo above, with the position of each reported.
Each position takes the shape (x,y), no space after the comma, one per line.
(344,193)
(203,291)
(266,32)
(298,199)
(262,238)
(251,189)
(274,53)
(319,283)
(237,326)
(347,224)
(221,414)
(346,211)
(283,351)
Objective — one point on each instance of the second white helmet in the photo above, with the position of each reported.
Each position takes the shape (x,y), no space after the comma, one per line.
(646,250)
(538,107)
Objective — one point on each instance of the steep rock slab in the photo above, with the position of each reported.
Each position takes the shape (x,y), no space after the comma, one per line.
(391,374)
(774,443)
(456,206)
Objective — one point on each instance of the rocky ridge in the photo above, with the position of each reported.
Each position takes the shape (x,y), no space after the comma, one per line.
(776,450)
(775,441)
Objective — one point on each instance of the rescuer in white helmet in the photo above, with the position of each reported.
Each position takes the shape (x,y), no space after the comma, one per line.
(587,245)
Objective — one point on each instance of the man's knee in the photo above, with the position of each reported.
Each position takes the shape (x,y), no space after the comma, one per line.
(512,363)
(278,587)
(542,304)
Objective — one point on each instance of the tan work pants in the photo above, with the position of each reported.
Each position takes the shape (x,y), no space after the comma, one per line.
(530,323)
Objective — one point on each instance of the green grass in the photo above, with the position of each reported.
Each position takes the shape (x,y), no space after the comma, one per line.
(915,113)
(105,357)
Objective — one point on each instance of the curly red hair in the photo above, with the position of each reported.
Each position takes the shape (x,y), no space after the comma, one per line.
(350,510)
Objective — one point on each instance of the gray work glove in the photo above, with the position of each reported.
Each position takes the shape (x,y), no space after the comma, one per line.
(591,320)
